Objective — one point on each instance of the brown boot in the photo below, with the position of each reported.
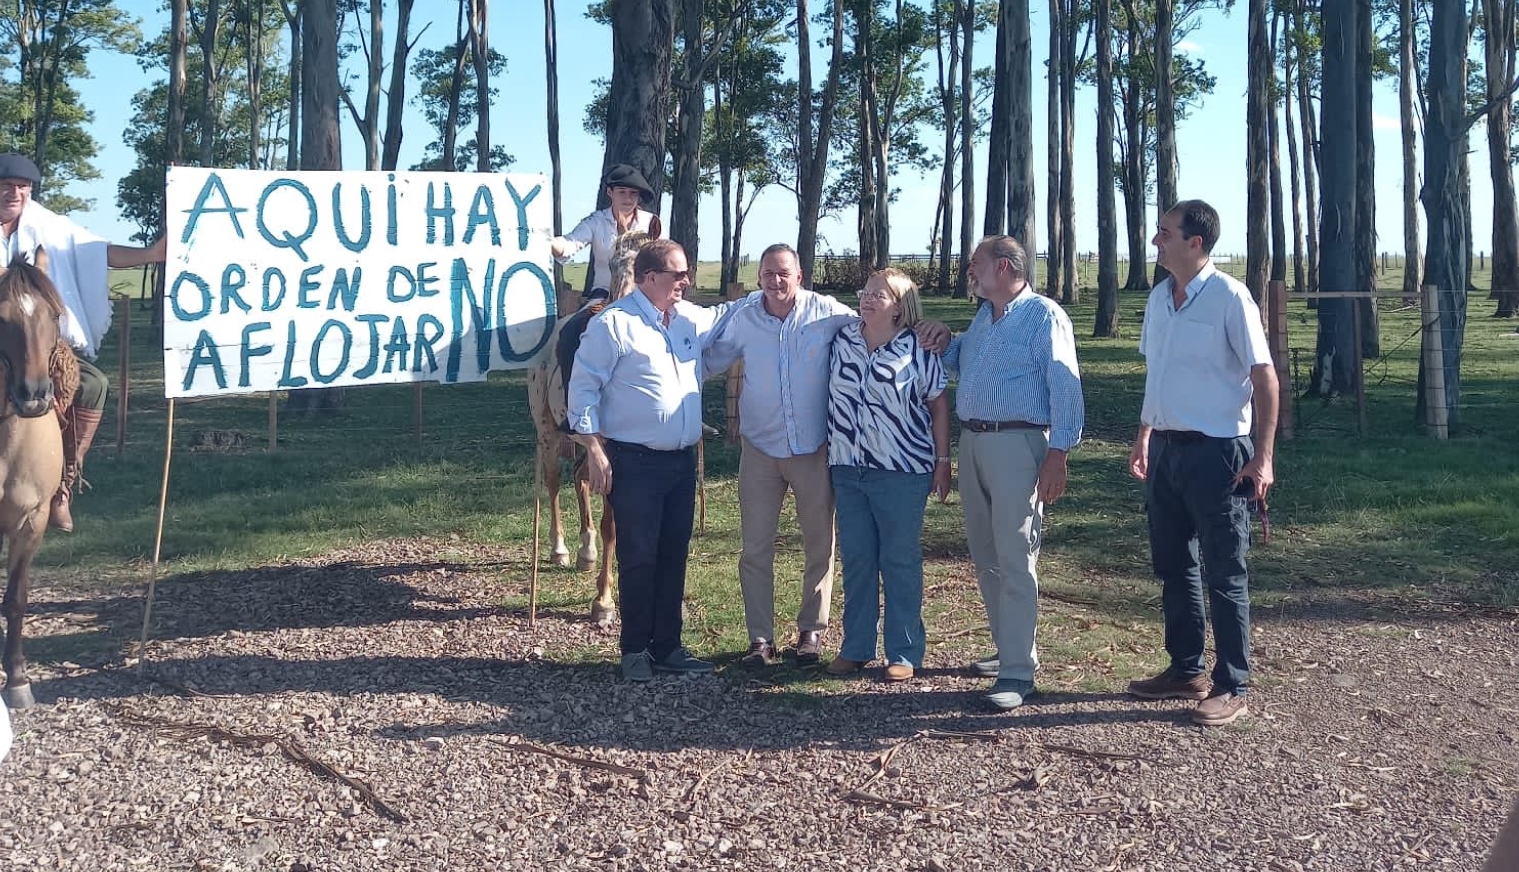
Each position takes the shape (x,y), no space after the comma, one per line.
(77,437)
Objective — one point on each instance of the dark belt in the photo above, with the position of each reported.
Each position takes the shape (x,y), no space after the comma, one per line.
(976,426)
(1181,437)
(635,448)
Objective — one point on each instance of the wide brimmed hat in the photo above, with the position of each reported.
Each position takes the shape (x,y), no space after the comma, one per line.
(625,176)
(19,166)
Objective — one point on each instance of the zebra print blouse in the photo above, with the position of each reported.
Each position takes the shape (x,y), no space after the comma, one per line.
(878,402)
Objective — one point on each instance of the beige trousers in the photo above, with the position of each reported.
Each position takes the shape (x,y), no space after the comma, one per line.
(762,484)
(1003,516)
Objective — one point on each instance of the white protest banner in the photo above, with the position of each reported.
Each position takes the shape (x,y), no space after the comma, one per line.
(289,280)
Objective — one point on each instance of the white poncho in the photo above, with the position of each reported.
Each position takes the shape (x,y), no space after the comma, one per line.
(77,266)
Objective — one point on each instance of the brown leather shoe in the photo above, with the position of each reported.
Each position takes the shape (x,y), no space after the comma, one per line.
(840,667)
(898,672)
(1170,685)
(809,646)
(761,653)
(1219,709)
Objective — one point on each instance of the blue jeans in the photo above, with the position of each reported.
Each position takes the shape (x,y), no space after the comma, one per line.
(653,498)
(1199,533)
(880,517)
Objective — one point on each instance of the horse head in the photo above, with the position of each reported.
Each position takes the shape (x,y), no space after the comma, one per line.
(29,311)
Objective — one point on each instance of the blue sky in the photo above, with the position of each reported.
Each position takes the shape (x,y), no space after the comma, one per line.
(1211,142)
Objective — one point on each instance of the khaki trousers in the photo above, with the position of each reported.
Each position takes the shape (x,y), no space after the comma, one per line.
(1003,516)
(762,484)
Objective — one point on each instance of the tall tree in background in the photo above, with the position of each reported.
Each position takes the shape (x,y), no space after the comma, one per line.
(382,144)
(1498,45)
(1366,194)
(685,180)
(1274,147)
(643,45)
(207,27)
(1166,166)
(293,18)
(1053,237)
(947,57)
(1106,322)
(1307,48)
(814,131)
(1290,65)
(1021,209)
(869,137)
(1445,262)
(1333,371)
(321,138)
(551,79)
(1408,87)
(174,145)
(968,27)
(1070,60)
(999,152)
(451,103)
(1257,150)
(480,54)
(43,114)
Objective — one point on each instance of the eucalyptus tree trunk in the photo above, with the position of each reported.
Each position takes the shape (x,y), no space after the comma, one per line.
(293,19)
(999,143)
(1106,324)
(1132,160)
(813,139)
(967,18)
(869,133)
(253,63)
(1278,219)
(1291,68)
(321,137)
(479,30)
(1257,148)
(174,151)
(1021,208)
(643,41)
(686,179)
(450,146)
(1165,116)
(1408,87)
(1366,195)
(395,100)
(1498,55)
(551,82)
(1445,262)
(1052,234)
(1310,129)
(1070,290)
(949,73)
(211,69)
(1333,371)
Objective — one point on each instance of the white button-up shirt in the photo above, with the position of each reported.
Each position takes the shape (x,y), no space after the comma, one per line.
(1198,356)
(599,231)
(637,379)
(783,408)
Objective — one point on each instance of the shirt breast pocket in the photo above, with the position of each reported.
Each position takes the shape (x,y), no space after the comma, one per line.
(1198,339)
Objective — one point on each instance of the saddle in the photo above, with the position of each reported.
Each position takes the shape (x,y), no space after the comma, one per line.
(64,368)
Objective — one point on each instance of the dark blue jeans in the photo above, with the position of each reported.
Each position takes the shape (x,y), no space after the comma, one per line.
(653,498)
(1199,533)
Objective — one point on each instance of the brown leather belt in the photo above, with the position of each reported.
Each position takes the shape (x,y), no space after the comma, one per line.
(976,426)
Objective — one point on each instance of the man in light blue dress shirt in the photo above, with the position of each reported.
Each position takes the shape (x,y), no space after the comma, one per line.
(635,404)
(1021,412)
(783,335)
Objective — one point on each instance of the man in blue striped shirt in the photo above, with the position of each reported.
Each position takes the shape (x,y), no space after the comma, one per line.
(1021,411)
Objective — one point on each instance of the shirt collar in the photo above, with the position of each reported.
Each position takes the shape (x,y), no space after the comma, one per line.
(1198,282)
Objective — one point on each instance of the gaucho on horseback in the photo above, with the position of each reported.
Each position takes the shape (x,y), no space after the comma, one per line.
(78,261)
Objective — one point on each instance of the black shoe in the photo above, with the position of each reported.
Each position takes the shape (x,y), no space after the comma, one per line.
(684,662)
(637,667)
(761,653)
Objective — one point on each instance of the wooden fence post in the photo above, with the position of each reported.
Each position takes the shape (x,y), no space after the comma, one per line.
(1436,416)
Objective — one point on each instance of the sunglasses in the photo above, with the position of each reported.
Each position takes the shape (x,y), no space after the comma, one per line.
(677,273)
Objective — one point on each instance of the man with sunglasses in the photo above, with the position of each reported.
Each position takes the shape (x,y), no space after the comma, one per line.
(635,404)
(78,261)
(1209,378)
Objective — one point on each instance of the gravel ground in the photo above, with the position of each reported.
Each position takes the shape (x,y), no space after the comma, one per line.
(378,709)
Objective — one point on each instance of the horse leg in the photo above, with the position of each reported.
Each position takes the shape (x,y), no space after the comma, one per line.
(548,455)
(585,559)
(23,544)
(604,609)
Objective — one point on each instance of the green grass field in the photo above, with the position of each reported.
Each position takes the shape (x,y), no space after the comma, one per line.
(1392,520)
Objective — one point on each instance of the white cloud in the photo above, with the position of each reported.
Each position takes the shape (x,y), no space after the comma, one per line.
(1189,47)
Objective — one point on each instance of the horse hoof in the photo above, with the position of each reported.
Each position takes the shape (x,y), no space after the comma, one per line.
(602,616)
(585,564)
(18,697)
(561,559)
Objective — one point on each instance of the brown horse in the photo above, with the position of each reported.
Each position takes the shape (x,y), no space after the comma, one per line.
(31,447)
(546,400)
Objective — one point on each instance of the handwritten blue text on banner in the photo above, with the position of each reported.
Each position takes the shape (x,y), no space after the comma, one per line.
(281,281)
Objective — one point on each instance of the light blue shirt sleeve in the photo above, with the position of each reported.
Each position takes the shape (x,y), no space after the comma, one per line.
(594,361)
(1063,374)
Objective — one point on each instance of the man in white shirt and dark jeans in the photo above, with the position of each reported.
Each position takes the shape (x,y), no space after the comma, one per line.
(1209,377)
